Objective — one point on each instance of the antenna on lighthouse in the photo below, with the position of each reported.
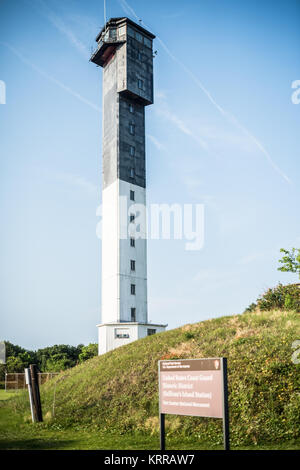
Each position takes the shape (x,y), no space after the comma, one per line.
(104,11)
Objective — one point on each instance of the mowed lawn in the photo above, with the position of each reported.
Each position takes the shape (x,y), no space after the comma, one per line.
(6,395)
(15,434)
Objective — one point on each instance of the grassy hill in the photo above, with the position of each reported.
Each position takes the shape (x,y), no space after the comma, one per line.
(118,392)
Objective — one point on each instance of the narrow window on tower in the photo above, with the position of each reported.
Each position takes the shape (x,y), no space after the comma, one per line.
(132,150)
(140,56)
(131,195)
(113,33)
(131,172)
(147,42)
(133,314)
(141,84)
(132,241)
(132,265)
(131,128)
(138,37)
(130,32)
(132,289)
(131,108)
(122,31)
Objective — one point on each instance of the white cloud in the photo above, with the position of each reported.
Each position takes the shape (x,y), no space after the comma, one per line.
(180,124)
(78,182)
(156,142)
(248,259)
(215,277)
(192,182)
(230,223)
(221,137)
(272,253)
(160,94)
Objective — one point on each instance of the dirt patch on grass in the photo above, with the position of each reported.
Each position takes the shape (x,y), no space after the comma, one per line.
(234,321)
(245,332)
(152,424)
(188,327)
(183,349)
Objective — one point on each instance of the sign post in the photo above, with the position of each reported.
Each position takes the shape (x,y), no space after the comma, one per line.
(162,431)
(194,387)
(225,404)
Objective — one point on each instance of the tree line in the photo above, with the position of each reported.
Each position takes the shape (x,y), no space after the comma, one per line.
(50,359)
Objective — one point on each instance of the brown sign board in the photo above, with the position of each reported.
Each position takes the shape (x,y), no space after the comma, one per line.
(192,387)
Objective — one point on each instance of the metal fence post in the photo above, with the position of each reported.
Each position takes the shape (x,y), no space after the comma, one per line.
(162,431)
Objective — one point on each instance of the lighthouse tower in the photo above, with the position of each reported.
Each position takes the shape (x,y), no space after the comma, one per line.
(125,53)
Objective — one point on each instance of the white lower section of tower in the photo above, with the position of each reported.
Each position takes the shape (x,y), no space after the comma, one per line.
(114,335)
(124,267)
(117,254)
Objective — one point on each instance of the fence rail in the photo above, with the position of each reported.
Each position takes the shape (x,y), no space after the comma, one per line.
(16,380)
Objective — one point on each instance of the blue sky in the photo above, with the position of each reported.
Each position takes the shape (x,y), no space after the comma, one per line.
(223,132)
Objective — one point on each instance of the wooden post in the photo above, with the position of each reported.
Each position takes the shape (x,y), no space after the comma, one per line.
(36,393)
(28,382)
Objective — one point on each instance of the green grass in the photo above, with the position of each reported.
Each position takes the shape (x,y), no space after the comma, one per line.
(17,435)
(111,401)
(6,395)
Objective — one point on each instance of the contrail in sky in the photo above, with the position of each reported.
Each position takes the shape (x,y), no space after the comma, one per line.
(129,10)
(50,78)
(60,25)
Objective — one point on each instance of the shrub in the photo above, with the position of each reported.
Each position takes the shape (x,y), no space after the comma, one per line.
(280,297)
(251,307)
(189,335)
(87,352)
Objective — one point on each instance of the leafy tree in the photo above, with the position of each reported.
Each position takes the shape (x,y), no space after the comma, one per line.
(88,352)
(290,261)
(58,362)
(280,297)
(13,349)
(66,356)
(17,358)
(14,364)
(50,359)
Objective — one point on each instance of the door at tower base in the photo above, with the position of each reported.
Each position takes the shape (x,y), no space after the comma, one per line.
(114,335)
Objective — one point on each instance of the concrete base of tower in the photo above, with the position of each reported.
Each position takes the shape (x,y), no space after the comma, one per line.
(114,335)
